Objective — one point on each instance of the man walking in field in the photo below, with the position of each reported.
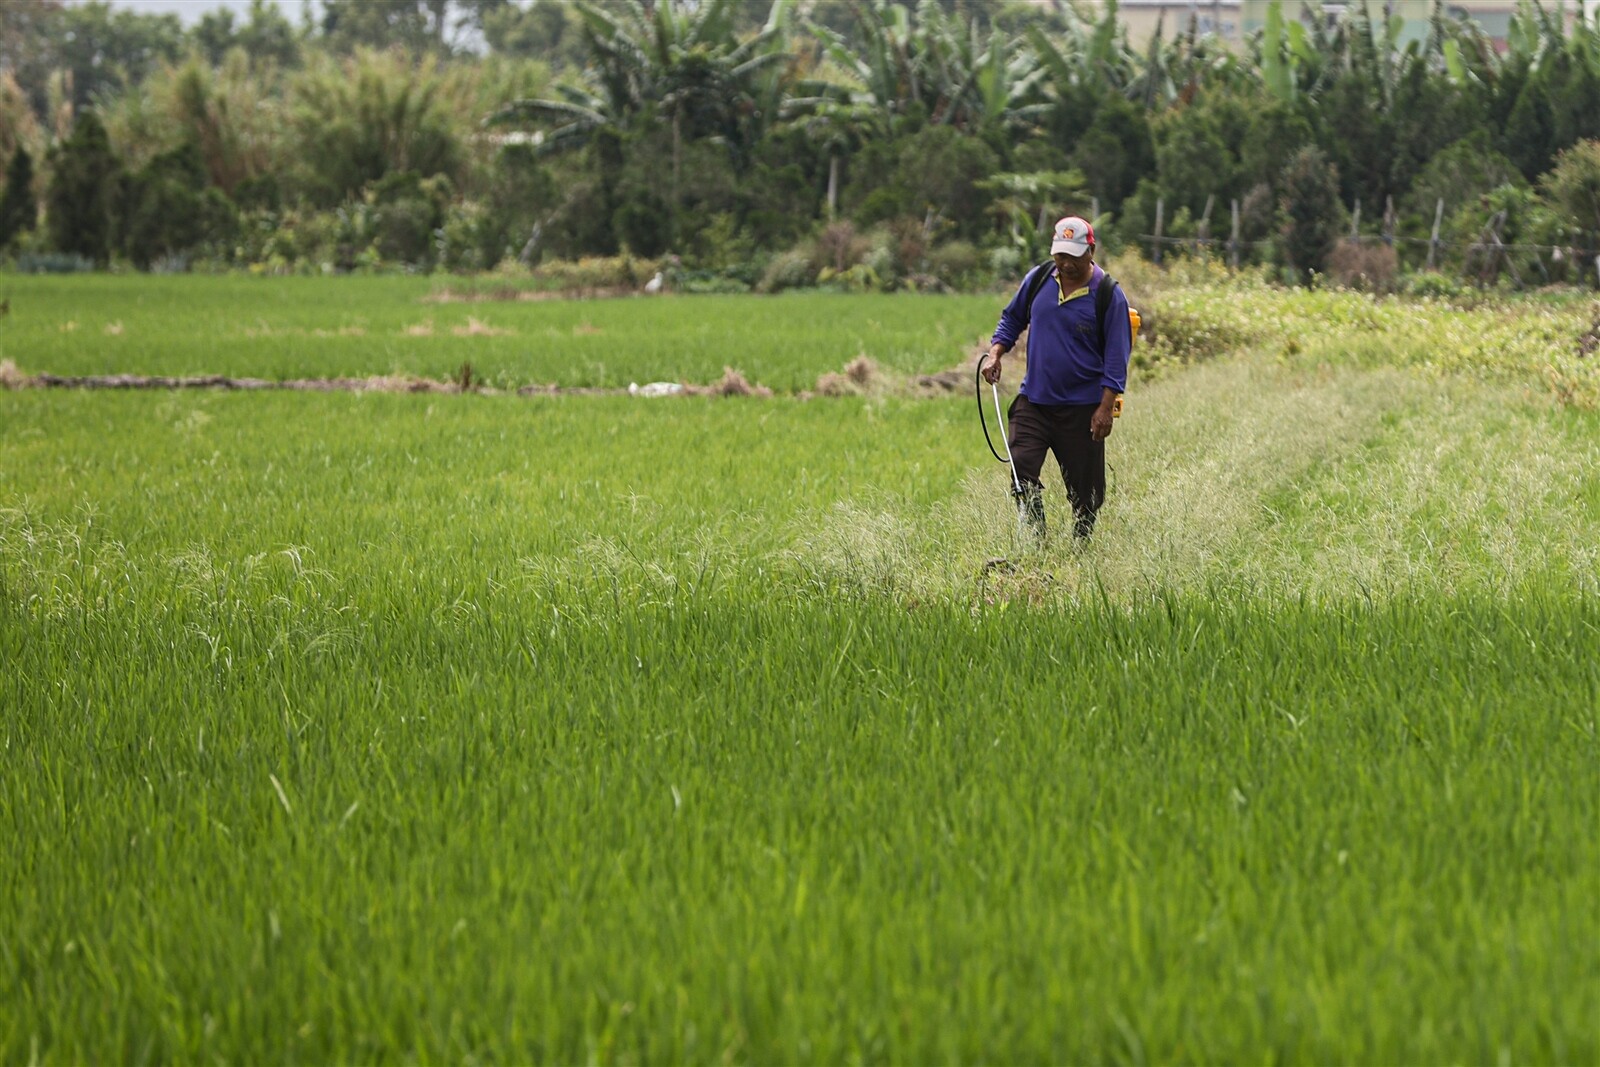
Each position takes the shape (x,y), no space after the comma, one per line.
(1079,338)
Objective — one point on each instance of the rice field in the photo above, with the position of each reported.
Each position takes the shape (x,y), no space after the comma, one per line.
(371,727)
(358,326)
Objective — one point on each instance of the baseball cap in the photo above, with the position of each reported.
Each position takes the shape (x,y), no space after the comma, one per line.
(1073,236)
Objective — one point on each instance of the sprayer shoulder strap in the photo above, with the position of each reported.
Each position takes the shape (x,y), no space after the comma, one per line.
(1038,277)
(1102,302)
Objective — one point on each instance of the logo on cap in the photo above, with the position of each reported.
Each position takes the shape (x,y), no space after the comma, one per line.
(1073,236)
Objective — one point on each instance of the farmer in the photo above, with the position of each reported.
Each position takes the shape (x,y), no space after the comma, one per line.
(1077,368)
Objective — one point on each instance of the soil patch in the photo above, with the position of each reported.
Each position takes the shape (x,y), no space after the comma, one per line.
(860,377)
(509,295)
(392,383)
(732,383)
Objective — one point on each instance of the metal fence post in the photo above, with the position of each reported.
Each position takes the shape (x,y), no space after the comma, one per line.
(1161,211)
(1433,241)
(1233,243)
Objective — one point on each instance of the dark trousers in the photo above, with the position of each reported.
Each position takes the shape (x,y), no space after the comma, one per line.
(1064,430)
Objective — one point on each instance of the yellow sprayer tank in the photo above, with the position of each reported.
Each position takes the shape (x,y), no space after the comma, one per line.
(1134,323)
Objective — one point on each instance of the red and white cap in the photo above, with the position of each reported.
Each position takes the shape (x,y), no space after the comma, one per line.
(1073,235)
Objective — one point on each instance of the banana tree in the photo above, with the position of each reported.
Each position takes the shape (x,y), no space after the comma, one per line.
(1003,89)
(1090,56)
(885,66)
(673,63)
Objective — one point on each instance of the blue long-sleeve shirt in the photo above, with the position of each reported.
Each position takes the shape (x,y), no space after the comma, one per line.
(1067,361)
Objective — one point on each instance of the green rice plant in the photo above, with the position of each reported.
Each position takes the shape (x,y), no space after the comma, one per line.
(308,328)
(376,727)
(368,727)
(390,326)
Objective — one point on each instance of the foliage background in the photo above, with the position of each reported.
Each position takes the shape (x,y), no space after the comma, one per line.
(760,145)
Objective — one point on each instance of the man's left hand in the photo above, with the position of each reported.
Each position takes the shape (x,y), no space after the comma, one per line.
(1100,423)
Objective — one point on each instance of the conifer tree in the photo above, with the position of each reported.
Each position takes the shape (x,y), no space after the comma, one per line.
(18,209)
(1310,206)
(80,200)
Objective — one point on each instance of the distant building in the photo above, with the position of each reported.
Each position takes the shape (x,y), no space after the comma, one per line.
(1236,20)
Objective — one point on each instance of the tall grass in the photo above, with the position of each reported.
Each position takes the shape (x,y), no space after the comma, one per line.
(1249,478)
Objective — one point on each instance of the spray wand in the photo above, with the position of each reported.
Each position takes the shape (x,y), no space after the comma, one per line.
(994,391)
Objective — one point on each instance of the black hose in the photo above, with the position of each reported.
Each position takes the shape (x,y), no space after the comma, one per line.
(977,388)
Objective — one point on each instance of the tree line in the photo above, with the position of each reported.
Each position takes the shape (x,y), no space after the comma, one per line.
(866,143)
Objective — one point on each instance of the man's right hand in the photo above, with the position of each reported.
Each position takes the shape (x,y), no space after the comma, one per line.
(991,367)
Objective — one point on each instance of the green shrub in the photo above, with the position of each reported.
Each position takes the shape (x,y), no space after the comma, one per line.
(405,231)
(643,225)
(706,281)
(1459,175)
(352,122)
(721,245)
(1526,221)
(789,270)
(954,263)
(1005,263)
(1433,285)
(882,203)
(1573,189)
(406,211)
(596,272)
(882,257)
(857,279)
(1173,334)
(1258,215)
(463,243)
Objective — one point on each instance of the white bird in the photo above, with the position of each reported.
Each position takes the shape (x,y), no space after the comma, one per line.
(654,284)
